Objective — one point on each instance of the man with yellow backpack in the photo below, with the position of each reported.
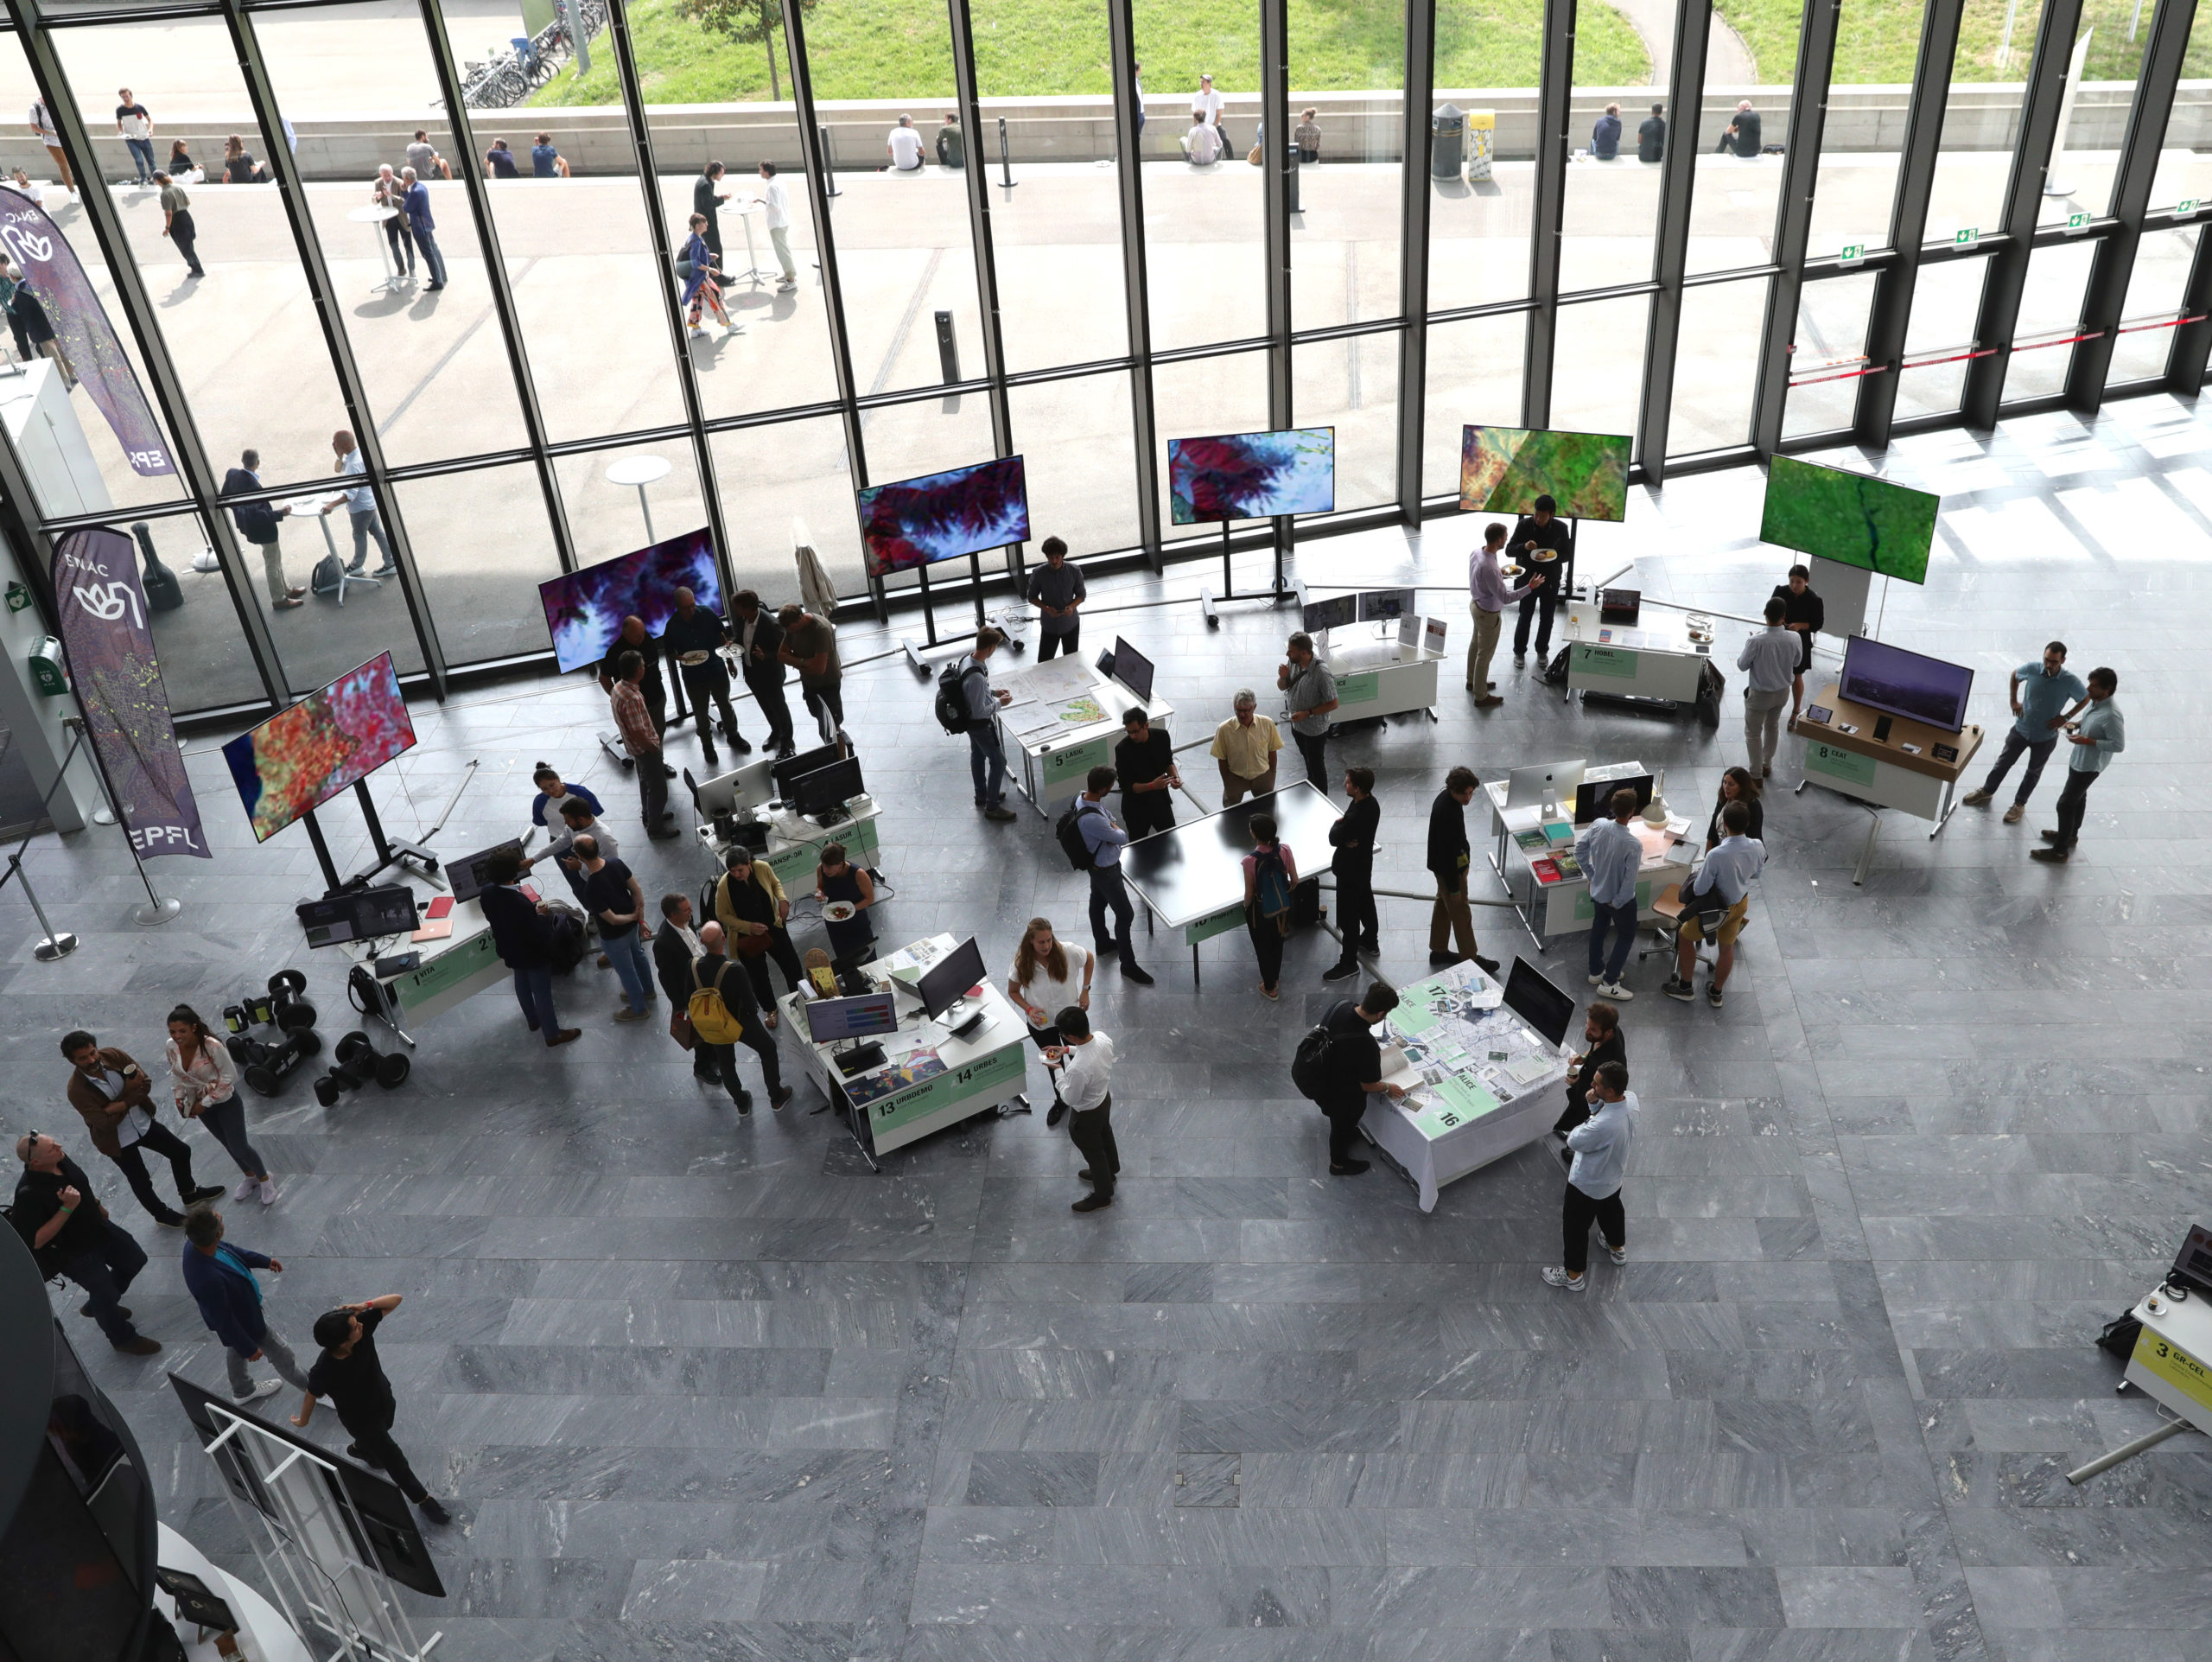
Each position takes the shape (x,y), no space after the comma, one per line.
(724,1015)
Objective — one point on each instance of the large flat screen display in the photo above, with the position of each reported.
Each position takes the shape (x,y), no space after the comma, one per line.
(1848,517)
(584,610)
(1905,684)
(1505,470)
(914,522)
(1252,475)
(300,758)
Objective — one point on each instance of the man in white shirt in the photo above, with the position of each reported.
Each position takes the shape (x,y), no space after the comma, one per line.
(906,147)
(1086,1063)
(1769,662)
(1727,871)
(776,209)
(360,507)
(1203,144)
(1206,106)
(1600,1146)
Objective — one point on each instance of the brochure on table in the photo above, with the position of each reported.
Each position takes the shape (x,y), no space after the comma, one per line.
(1049,699)
(1550,847)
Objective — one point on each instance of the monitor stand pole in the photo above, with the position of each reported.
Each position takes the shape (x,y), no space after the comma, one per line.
(331,885)
(1207,597)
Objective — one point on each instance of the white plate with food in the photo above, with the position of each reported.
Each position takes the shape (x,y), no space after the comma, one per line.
(692,660)
(838,910)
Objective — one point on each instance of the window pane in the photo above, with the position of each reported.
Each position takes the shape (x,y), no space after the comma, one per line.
(1715,364)
(482,545)
(1197,399)
(2050,306)
(2154,297)
(1352,385)
(1598,366)
(1981,117)
(1612,206)
(1058,235)
(202,647)
(782,486)
(1344,242)
(1079,452)
(1750,56)
(1474,377)
(2088,158)
(607,519)
(1205,235)
(1478,229)
(930,436)
(1831,344)
(1946,300)
(2185,162)
(1870,94)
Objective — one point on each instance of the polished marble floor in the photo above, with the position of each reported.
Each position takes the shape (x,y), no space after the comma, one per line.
(706,1388)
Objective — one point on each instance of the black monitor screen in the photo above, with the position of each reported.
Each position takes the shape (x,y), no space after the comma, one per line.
(946,983)
(828,788)
(1133,670)
(807,761)
(1918,688)
(467,872)
(1538,1003)
(1593,797)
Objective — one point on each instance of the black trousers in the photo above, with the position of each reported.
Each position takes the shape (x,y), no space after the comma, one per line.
(2073,804)
(1092,1132)
(774,709)
(1044,1039)
(1109,892)
(1147,812)
(1546,602)
(652,788)
(1576,1216)
(786,957)
(702,685)
(1266,944)
(377,1449)
(1577,1109)
(160,1140)
(722,1059)
(1356,916)
(184,233)
(1315,749)
(1344,1127)
(1049,644)
(827,705)
(105,1273)
(656,693)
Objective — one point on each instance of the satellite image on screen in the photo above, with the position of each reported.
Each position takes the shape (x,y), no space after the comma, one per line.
(1252,475)
(1849,518)
(1505,470)
(584,609)
(302,757)
(912,522)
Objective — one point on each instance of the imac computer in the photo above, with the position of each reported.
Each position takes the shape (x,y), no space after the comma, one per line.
(1593,798)
(750,787)
(1546,1009)
(1546,783)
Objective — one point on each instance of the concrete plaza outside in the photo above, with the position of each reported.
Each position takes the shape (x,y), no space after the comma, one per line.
(249,347)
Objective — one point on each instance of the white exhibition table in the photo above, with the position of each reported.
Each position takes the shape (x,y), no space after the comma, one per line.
(1564,908)
(1379,676)
(456,968)
(794,845)
(1656,657)
(1478,1112)
(263,1635)
(981,1072)
(1922,781)
(1049,747)
(2173,1355)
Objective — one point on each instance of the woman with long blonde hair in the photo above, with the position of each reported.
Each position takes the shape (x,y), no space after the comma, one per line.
(1049,974)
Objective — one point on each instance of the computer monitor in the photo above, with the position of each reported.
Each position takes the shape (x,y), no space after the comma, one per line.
(361,914)
(1593,798)
(945,983)
(742,787)
(1338,612)
(805,762)
(829,1019)
(826,789)
(1133,670)
(1387,605)
(467,872)
(1907,684)
(1537,1001)
(1527,788)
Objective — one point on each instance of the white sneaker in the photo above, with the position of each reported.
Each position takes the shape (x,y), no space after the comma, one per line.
(1619,1254)
(1614,990)
(266,1388)
(1596,979)
(1555,1275)
(268,1191)
(698,333)
(245,1188)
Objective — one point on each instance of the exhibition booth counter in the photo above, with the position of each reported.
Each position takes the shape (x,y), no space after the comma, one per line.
(1063,720)
(1913,768)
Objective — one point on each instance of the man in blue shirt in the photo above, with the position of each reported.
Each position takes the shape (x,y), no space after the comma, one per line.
(219,1277)
(1610,856)
(1606,137)
(2096,739)
(419,222)
(1728,871)
(360,507)
(1108,891)
(2041,693)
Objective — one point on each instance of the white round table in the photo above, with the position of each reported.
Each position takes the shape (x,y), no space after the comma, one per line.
(640,471)
(747,211)
(376,217)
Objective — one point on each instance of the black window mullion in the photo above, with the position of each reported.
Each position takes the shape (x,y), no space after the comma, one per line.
(1276,154)
(1677,186)
(979,241)
(1135,280)
(1416,196)
(1793,231)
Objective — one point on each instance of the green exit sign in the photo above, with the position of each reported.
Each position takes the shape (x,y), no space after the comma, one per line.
(2077,222)
(1853,253)
(1966,237)
(2186,206)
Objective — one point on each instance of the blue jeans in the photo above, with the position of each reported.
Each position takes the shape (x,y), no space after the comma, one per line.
(142,157)
(628,953)
(2038,753)
(1623,919)
(534,992)
(987,764)
(1109,892)
(367,525)
(429,246)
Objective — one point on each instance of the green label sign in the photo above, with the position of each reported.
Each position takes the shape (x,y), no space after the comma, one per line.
(794,866)
(977,1080)
(448,970)
(1362,689)
(1610,663)
(2077,222)
(1847,765)
(1220,923)
(2185,206)
(1585,910)
(1075,760)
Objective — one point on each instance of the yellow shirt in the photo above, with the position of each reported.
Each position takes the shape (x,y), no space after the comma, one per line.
(1250,751)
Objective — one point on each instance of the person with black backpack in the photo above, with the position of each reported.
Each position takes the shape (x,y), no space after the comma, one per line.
(523,934)
(1088,826)
(966,702)
(1270,884)
(1345,1068)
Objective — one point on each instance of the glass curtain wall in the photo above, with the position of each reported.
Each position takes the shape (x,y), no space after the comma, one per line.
(551,402)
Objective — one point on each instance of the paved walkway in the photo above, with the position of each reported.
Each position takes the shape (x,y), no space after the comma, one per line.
(1727,61)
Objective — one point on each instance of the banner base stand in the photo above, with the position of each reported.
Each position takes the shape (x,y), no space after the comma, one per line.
(155,912)
(54,946)
(103,815)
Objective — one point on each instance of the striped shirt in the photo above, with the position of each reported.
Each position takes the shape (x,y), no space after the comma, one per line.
(635,721)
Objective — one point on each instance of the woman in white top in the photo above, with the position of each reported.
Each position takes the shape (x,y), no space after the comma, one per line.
(1049,974)
(207,1089)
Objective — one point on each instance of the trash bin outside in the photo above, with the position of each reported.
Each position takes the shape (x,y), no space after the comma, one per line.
(1482,137)
(1447,142)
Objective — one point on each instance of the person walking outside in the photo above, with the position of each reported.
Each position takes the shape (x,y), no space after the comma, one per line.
(1770,663)
(702,290)
(1109,890)
(619,905)
(423,227)
(2100,735)
(361,505)
(1311,692)
(1452,920)
(1610,856)
(1049,974)
(776,211)
(1245,746)
(1355,1072)
(1804,614)
(2044,696)
(1056,590)
(986,749)
(257,522)
(1353,837)
(641,738)
(115,1099)
(1085,1060)
(1727,871)
(205,1084)
(177,223)
(350,1373)
(1144,765)
(1600,1147)
(219,1277)
(1601,1034)
(48,133)
(522,933)
(1270,886)
(1488,599)
(70,1234)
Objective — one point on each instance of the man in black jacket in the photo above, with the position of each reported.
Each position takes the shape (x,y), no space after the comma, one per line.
(716,970)
(632,637)
(693,628)
(1449,854)
(1355,1071)
(522,931)
(1601,1035)
(34,329)
(676,949)
(1545,548)
(69,1230)
(757,635)
(1352,836)
(256,522)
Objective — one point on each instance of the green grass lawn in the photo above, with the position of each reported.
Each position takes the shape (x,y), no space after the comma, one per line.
(1877,41)
(900,48)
